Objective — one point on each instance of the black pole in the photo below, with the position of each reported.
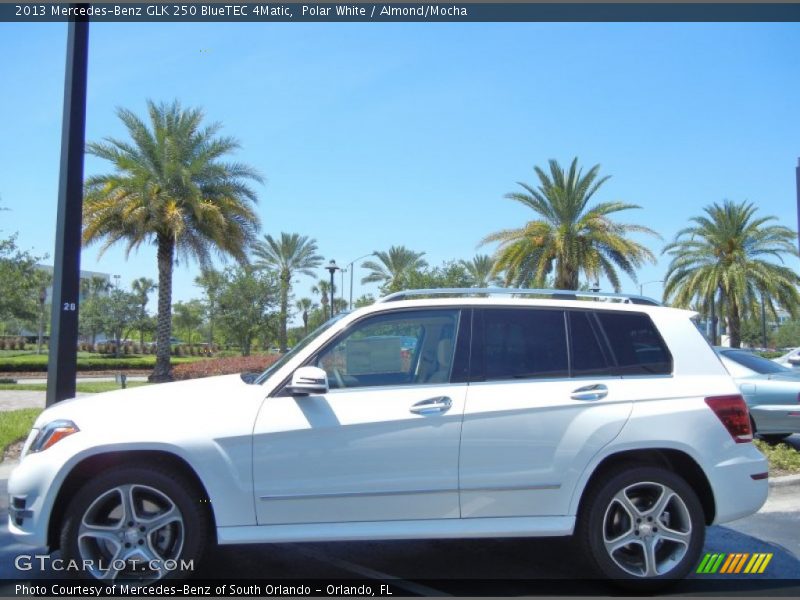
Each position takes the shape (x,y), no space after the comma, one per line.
(797,176)
(63,354)
(332,298)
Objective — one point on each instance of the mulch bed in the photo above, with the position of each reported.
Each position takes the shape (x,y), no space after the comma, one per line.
(13,451)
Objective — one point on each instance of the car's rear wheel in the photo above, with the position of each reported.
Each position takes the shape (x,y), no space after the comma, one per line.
(136,523)
(642,527)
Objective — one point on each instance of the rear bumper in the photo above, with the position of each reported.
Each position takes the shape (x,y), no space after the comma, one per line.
(740,488)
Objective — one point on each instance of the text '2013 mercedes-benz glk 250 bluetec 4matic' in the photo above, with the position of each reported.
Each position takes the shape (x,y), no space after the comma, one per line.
(436,414)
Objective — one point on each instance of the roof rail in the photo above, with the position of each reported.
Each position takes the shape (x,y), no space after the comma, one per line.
(564,294)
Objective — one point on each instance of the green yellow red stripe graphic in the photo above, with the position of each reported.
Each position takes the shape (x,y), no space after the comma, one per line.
(737,562)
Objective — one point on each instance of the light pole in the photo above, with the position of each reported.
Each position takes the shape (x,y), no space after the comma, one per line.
(42,299)
(332,268)
(763,321)
(641,285)
(351,266)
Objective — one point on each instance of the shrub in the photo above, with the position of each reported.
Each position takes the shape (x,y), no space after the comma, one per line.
(9,380)
(222,366)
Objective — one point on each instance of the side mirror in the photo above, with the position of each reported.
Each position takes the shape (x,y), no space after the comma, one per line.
(308,380)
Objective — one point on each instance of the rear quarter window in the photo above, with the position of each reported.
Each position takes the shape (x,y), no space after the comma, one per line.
(635,346)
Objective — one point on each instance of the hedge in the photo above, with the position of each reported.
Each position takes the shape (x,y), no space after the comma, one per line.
(34,362)
(223,366)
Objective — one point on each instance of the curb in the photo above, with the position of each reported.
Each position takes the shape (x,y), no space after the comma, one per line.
(784,481)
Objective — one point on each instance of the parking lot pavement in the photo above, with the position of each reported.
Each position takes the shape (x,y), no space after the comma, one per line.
(479,567)
(16,399)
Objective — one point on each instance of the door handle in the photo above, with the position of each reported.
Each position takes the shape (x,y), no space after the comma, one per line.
(595,391)
(430,406)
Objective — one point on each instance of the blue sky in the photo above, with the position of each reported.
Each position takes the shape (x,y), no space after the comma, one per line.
(370,135)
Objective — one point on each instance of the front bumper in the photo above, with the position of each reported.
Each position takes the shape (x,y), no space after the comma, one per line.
(30,489)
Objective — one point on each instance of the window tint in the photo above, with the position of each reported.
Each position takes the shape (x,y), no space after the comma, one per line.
(635,344)
(586,347)
(524,343)
(403,348)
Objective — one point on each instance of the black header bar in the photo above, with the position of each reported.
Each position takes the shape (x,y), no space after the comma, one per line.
(360,12)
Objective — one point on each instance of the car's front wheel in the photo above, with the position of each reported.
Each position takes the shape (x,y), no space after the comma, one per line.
(137,523)
(642,526)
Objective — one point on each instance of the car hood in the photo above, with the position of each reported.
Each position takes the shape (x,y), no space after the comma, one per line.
(177,402)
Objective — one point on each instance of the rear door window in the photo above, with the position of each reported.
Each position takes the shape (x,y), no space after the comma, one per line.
(519,344)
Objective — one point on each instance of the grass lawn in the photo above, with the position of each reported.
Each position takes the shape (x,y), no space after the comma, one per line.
(15,425)
(89,387)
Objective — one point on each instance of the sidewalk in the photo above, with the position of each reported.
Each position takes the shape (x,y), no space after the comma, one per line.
(16,399)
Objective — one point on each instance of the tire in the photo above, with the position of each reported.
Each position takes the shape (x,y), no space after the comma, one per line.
(130,523)
(773,438)
(642,527)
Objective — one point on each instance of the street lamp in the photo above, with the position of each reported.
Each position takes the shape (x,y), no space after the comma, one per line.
(351,266)
(641,285)
(332,268)
(42,299)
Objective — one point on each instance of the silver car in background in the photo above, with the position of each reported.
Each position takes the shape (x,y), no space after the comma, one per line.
(772,392)
(790,359)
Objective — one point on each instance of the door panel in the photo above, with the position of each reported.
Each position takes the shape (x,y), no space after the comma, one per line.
(525,443)
(359,455)
(383,443)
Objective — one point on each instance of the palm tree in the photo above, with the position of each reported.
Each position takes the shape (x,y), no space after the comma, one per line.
(723,260)
(304,305)
(94,286)
(323,288)
(141,288)
(480,270)
(212,282)
(569,237)
(393,267)
(291,254)
(170,188)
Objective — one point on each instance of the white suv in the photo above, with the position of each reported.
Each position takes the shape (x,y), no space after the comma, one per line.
(432,417)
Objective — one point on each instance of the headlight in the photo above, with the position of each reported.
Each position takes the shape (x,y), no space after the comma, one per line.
(52,433)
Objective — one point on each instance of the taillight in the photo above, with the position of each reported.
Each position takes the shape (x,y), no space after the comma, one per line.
(732,411)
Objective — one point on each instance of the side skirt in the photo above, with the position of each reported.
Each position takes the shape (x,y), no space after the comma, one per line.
(399,530)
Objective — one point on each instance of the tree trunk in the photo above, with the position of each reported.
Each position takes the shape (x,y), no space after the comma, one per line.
(141,331)
(285,279)
(566,278)
(166,250)
(713,323)
(735,324)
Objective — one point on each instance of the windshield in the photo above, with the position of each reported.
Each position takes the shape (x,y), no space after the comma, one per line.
(300,345)
(753,362)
